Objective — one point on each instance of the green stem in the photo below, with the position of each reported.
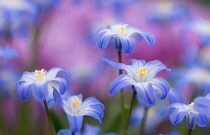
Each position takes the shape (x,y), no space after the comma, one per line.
(73,133)
(130,111)
(144,121)
(49,118)
(189,131)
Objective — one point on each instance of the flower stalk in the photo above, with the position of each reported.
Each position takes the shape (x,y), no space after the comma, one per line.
(144,120)
(49,118)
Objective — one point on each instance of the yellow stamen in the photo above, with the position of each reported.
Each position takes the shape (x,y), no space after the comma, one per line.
(76,101)
(142,71)
(122,29)
(40,74)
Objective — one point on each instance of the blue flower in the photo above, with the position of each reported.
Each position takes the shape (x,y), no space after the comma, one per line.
(179,110)
(88,130)
(75,109)
(8,52)
(122,37)
(141,76)
(202,104)
(41,83)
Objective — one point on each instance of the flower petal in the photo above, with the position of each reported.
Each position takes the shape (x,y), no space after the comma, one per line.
(62,83)
(40,91)
(51,74)
(92,107)
(177,116)
(162,85)
(201,104)
(201,120)
(146,36)
(153,67)
(118,65)
(28,77)
(145,94)
(128,44)
(75,122)
(103,38)
(64,132)
(60,101)
(23,89)
(190,121)
(136,64)
(120,82)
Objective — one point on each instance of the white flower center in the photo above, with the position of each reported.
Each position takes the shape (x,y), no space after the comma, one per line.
(140,76)
(191,106)
(75,105)
(121,30)
(40,75)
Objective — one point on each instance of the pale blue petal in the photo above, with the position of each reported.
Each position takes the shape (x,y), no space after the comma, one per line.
(118,65)
(202,105)
(190,121)
(40,91)
(75,122)
(201,120)
(145,94)
(136,64)
(90,129)
(52,73)
(153,67)
(28,77)
(92,107)
(103,38)
(162,85)
(64,132)
(23,90)
(60,101)
(146,36)
(177,116)
(128,44)
(120,82)
(62,84)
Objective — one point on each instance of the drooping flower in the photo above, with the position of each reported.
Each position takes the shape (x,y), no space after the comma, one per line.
(75,109)
(41,83)
(122,37)
(202,104)
(141,76)
(88,130)
(179,110)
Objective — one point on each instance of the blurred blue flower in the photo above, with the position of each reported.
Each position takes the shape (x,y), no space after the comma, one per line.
(75,109)
(141,76)
(202,104)
(122,37)
(8,52)
(44,4)
(164,12)
(88,130)
(16,16)
(178,111)
(173,132)
(41,83)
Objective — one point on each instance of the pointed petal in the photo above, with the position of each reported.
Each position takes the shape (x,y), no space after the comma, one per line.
(60,101)
(146,36)
(92,107)
(64,132)
(201,120)
(137,64)
(161,85)
(120,82)
(75,122)
(190,121)
(103,38)
(23,89)
(153,67)
(28,77)
(177,116)
(52,73)
(128,44)
(145,94)
(118,65)
(40,91)
(62,83)
(201,104)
